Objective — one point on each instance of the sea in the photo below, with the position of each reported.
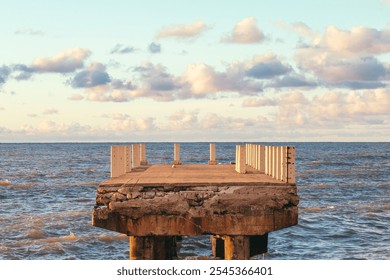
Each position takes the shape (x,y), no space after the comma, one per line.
(47,195)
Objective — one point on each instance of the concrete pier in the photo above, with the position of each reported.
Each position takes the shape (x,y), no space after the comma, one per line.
(237,207)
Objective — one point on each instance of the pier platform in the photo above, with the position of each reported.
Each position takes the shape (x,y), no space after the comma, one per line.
(236,204)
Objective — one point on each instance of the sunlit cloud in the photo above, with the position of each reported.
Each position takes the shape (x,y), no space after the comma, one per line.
(183,31)
(63,62)
(245,32)
(357,41)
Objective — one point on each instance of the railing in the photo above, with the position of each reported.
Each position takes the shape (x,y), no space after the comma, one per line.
(275,161)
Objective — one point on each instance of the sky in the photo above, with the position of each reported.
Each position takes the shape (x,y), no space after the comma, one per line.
(249,70)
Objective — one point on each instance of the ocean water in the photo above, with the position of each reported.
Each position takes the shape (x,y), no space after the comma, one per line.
(47,194)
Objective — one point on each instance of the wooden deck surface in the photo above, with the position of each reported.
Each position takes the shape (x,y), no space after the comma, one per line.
(191,174)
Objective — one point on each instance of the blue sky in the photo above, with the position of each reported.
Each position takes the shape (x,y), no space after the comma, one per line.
(195,71)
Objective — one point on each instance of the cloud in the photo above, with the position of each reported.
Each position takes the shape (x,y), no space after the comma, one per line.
(5,71)
(334,69)
(357,41)
(154,48)
(259,102)
(182,31)
(95,75)
(199,81)
(245,32)
(266,70)
(329,110)
(129,124)
(76,97)
(120,49)
(292,80)
(29,31)
(63,62)
(156,77)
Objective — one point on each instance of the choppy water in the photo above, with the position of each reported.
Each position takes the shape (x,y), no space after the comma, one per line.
(47,193)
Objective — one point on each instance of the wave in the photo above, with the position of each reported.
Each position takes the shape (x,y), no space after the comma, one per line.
(5,183)
(317,208)
(36,234)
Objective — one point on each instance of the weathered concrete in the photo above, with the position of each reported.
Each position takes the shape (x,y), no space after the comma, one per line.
(162,201)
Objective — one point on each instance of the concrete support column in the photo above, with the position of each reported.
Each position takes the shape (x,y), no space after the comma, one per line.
(120,160)
(143,154)
(135,155)
(237,247)
(212,160)
(152,247)
(176,154)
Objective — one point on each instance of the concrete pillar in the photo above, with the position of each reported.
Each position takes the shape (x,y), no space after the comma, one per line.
(262,158)
(291,165)
(217,247)
(273,161)
(266,155)
(240,159)
(135,155)
(120,160)
(237,247)
(277,163)
(176,154)
(283,158)
(143,160)
(152,247)
(212,160)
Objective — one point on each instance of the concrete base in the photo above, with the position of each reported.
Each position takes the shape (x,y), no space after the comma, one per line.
(212,162)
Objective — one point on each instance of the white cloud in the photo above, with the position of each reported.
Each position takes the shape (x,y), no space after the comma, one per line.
(357,41)
(329,110)
(183,31)
(245,32)
(63,62)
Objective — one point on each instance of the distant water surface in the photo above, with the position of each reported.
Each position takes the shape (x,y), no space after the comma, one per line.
(47,194)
